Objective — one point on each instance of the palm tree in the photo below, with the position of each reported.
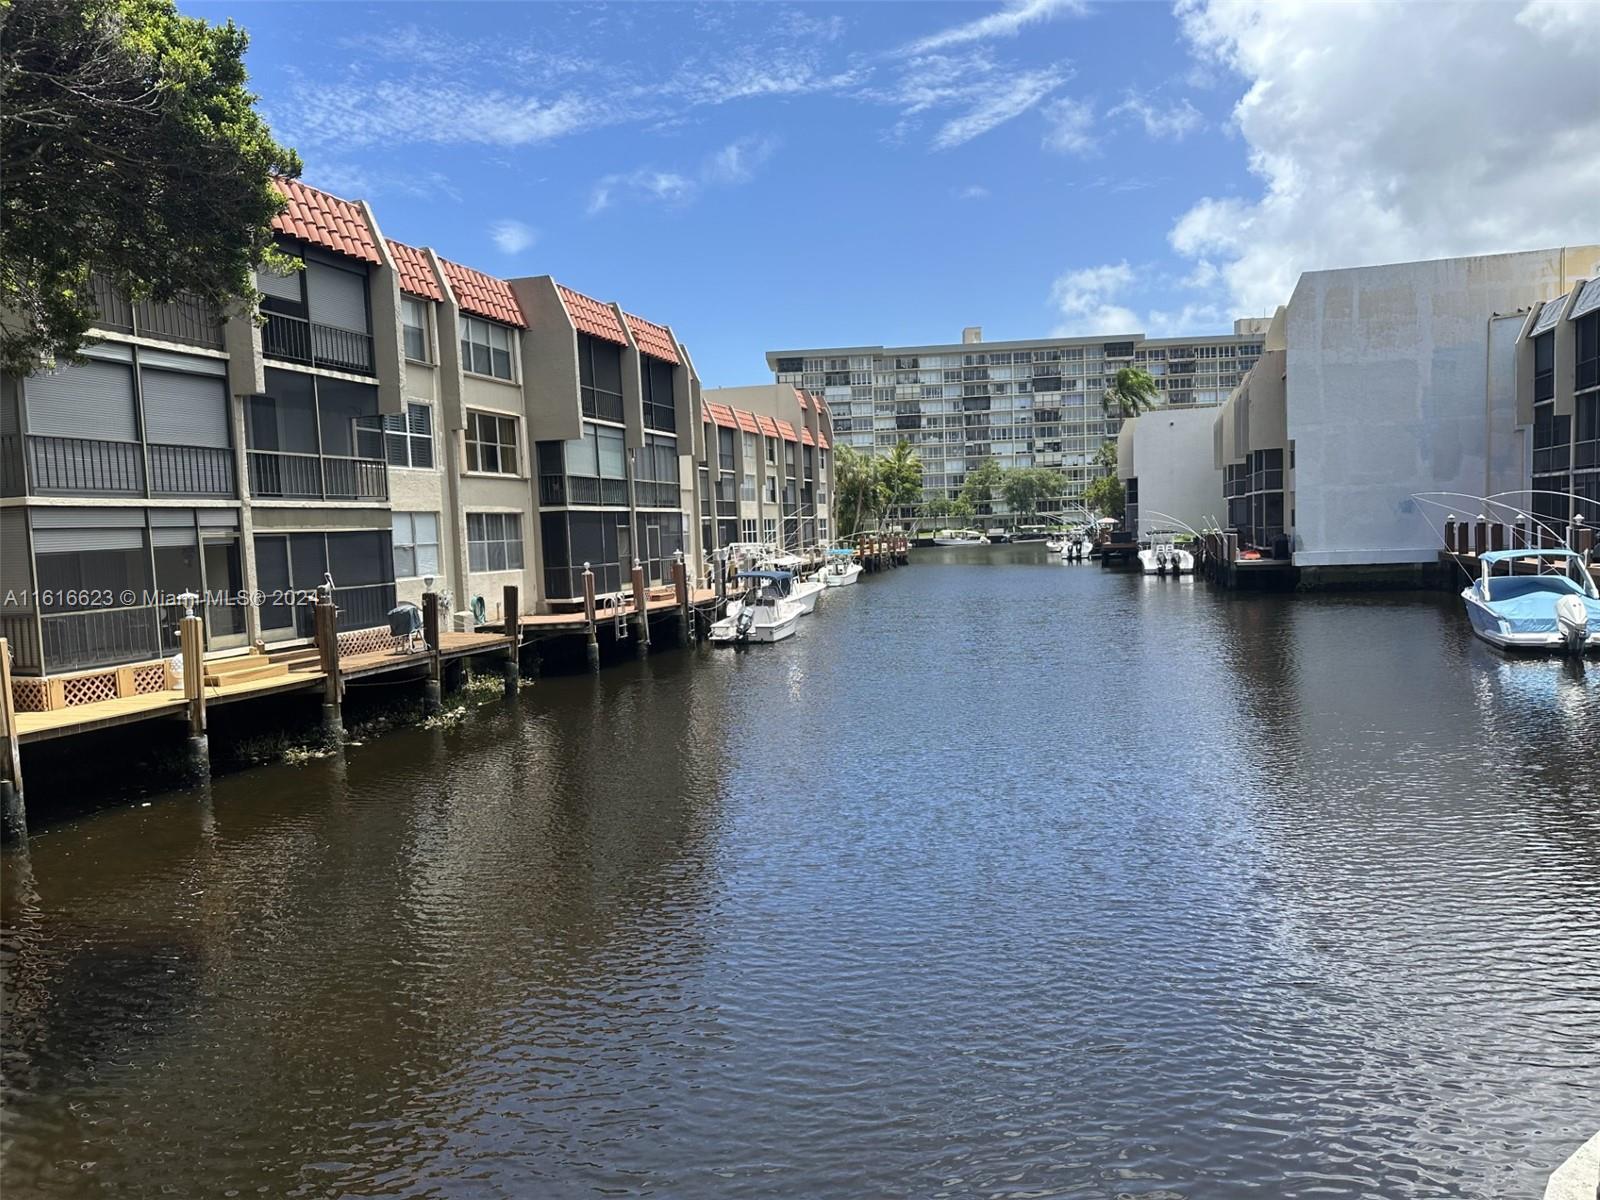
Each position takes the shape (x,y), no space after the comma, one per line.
(1132,392)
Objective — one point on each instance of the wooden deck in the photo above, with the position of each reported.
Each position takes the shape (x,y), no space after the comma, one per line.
(302,671)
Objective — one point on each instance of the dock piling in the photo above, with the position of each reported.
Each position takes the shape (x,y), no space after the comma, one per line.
(591,646)
(13,812)
(432,692)
(680,587)
(191,644)
(511,610)
(641,611)
(326,628)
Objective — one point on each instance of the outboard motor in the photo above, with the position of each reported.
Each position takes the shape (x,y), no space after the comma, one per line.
(746,618)
(1572,619)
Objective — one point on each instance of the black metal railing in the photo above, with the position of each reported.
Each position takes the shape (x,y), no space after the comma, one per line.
(13,475)
(656,494)
(80,640)
(296,339)
(552,490)
(184,320)
(84,466)
(355,479)
(191,471)
(364,606)
(280,475)
(21,632)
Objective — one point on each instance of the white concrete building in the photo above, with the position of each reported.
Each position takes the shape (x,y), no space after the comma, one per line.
(1165,464)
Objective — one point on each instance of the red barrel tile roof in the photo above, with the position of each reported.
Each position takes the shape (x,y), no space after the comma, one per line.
(722,415)
(483,295)
(800,396)
(805,436)
(816,398)
(822,441)
(592,317)
(653,339)
(787,430)
(768,426)
(747,421)
(415,271)
(324,220)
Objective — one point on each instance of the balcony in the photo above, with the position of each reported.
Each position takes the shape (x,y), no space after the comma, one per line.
(81,640)
(656,494)
(281,475)
(184,319)
(70,466)
(297,340)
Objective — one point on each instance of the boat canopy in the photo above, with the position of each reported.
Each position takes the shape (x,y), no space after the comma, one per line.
(770,576)
(842,553)
(1498,556)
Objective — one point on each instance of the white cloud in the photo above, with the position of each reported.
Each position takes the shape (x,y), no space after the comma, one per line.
(1385,132)
(512,237)
(1020,93)
(1069,126)
(733,164)
(973,191)
(1008,22)
(1172,123)
(1088,301)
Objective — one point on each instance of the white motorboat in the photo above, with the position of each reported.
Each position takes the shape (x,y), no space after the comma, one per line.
(803,592)
(841,570)
(764,614)
(959,537)
(1549,611)
(1163,556)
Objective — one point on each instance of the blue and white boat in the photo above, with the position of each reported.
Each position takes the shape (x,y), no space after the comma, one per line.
(1551,610)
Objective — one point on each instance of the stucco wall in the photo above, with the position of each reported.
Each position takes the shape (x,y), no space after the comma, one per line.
(1391,393)
(1173,456)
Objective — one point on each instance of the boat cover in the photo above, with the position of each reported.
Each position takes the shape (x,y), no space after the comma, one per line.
(773,576)
(1533,610)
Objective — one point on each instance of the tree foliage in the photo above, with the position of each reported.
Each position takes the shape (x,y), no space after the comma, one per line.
(1106,495)
(981,483)
(129,145)
(899,480)
(1106,456)
(1026,488)
(1132,392)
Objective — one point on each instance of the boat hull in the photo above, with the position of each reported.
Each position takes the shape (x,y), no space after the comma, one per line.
(845,578)
(1504,635)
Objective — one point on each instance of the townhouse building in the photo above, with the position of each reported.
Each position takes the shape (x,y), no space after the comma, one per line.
(767,474)
(1453,379)
(374,423)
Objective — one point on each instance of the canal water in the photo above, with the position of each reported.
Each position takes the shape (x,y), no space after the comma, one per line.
(1004,877)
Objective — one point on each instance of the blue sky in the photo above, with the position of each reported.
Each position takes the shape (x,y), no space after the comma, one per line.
(766,175)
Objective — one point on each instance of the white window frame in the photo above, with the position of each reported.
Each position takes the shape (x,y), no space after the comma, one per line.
(409,306)
(480,546)
(409,545)
(476,442)
(409,437)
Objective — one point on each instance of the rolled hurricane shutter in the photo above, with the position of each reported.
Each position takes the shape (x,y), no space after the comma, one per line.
(185,410)
(337,298)
(92,400)
(280,287)
(77,530)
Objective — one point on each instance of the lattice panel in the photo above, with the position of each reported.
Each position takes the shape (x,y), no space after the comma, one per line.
(368,641)
(30,695)
(152,677)
(87,689)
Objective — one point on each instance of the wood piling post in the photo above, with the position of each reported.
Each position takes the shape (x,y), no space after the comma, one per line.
(326,627)
(1480,535)
(680,588)
(641,612)
(191,644)
(432,692)
(591,635)
(1450,533)
(13,812)
(511,610)
(1497,536)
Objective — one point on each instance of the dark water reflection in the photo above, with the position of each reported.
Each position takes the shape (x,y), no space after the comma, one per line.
(1011,879)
